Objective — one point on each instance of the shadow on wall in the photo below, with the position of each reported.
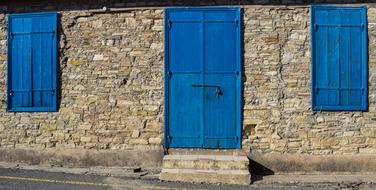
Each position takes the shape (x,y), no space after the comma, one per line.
(61,5)
(258,171)
(61,60)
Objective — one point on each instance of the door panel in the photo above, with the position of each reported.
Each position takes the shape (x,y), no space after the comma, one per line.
(185,48)
(220,111)
(185,68)
(186,110)
(220,71)
(220,45)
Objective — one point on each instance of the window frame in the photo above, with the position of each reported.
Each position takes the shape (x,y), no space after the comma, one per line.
(364,59)
(52,108)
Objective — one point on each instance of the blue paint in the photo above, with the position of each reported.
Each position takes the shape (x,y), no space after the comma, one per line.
(203,77)
(339,58)
(32,62)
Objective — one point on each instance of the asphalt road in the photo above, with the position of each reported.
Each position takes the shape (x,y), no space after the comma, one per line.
(18,179)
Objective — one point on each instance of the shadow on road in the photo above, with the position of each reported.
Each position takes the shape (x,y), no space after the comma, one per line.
(258,171)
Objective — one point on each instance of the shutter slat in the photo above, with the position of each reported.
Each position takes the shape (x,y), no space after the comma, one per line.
(344,58)
(333,59)
(47,80)
(355,61)
(321,56)
(15,65)
(25,75)
(37,61)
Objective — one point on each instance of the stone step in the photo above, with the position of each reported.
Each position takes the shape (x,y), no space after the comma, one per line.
(206,162)
(212,168)
(238,177)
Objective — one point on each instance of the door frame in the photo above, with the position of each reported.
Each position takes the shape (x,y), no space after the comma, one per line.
(239,65)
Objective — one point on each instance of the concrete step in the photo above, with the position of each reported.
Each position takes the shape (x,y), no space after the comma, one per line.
(206,162)
(208,168)
(238,177)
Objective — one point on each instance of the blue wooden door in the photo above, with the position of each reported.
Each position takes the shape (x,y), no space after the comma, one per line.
(203,78)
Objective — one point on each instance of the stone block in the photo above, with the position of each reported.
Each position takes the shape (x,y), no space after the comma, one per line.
(368,131)
(3,57)
(75,61)
(48,127)
(84,126)
(99,57)
(138,142)
(88,139)
(60,136)
(135,133)
(157,141)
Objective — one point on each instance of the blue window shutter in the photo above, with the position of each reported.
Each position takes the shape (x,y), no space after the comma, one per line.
(32,62)
(339,58)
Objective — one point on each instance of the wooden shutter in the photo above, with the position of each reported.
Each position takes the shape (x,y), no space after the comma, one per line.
(339,58)
(32,62)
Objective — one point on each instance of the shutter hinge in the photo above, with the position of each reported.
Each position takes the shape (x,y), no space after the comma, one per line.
(316,27)
(169,24)
(362,90)
(362,27)
(237,73)
(236,22)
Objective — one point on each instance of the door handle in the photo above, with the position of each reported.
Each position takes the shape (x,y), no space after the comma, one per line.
(218,90)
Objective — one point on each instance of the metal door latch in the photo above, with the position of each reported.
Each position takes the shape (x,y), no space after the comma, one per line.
(218,90)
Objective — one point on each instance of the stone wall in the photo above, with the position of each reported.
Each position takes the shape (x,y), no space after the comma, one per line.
(277,111)
(111,86)
(277,115)
(111,81)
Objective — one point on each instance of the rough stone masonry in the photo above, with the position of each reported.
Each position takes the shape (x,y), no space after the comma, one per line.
(111,93)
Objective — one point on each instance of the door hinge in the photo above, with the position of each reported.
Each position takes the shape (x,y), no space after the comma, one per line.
(169,73)
(362,90)
(169,24)
(236,22)
(362,27)
(236,138)
(316,27)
